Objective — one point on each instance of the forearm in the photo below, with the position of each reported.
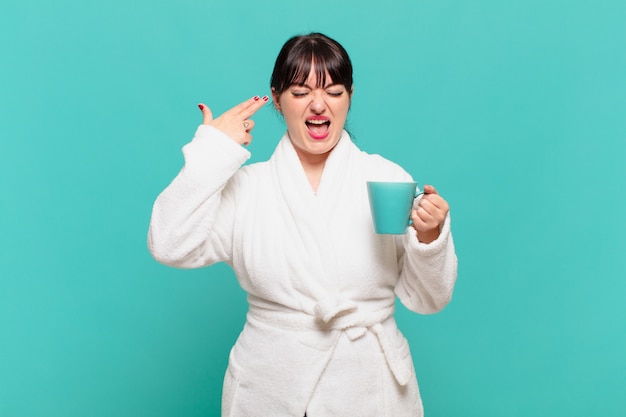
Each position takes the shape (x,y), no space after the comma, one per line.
(183,228)
(428,272)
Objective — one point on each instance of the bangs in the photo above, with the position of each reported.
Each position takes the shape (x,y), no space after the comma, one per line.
(323,68)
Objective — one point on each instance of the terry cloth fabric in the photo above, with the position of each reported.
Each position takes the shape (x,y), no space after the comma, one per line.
(320,335)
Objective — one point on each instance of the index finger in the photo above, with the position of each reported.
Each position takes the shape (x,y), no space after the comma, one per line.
(436,200)
(250,106)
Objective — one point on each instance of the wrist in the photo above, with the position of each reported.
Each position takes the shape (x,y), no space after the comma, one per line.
(428,236)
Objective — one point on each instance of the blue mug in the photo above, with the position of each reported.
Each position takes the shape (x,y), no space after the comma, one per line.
(391,203)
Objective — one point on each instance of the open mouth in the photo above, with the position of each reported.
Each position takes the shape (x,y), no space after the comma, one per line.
(318,127)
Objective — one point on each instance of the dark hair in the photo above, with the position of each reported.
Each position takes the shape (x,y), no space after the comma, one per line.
(299,53)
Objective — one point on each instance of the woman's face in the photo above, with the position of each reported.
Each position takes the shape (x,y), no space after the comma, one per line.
(315,117)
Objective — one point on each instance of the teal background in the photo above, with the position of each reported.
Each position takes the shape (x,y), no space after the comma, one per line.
(515,110)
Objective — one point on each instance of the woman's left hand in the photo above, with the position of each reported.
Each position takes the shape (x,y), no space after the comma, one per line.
(429,215)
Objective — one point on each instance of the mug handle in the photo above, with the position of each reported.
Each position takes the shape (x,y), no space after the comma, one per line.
(417,194)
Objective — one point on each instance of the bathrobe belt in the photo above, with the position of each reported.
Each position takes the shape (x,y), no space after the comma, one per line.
(347,319)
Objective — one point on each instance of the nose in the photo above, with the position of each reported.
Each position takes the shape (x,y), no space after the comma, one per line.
(318,105)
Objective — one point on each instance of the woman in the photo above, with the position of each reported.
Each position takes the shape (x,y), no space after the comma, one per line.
(320,337)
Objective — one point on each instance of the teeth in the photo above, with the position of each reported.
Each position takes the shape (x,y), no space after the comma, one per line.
(317,122)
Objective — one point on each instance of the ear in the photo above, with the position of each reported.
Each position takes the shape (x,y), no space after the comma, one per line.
(275,99)
(351,91)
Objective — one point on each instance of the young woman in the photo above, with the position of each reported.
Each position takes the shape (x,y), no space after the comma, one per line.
(320,337)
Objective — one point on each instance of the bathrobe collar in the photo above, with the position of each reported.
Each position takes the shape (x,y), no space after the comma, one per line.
(313,213)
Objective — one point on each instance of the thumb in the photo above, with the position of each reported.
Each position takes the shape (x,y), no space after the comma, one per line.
(206,114)
(429,189)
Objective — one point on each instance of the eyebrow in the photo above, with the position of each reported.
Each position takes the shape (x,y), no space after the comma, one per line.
(312,88)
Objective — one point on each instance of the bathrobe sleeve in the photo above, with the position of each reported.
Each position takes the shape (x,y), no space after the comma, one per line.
(427,271)
(192,219)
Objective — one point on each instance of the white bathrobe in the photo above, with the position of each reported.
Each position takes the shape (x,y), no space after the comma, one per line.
(320,335)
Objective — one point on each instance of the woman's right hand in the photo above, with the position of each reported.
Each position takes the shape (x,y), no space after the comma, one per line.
(236,122)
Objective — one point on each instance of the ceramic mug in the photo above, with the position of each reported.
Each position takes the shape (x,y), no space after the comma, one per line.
(391,204)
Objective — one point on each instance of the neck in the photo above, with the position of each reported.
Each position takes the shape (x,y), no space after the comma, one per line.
(313,166)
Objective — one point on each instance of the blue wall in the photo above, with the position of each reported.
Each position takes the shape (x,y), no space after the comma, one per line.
(515,110)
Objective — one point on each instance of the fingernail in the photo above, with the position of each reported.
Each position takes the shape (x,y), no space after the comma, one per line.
(265,98)
(201,107)
(256,98)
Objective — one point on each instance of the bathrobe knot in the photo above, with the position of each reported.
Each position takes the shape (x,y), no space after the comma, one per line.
(329,308)
(349,319)
(345,316)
